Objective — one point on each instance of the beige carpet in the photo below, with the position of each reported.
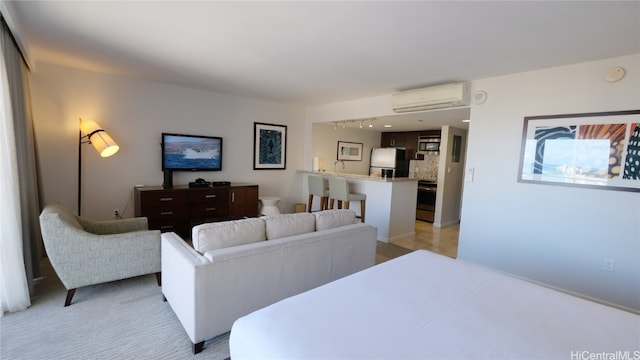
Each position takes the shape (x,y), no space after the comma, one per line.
(125,319)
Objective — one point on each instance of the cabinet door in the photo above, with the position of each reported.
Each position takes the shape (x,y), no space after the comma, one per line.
(387,139)
(392,139)
(411,144)
(243,201)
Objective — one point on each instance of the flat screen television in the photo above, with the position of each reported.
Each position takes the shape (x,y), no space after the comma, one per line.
(182,152)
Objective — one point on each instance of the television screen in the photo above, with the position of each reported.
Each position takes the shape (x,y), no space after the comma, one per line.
(191,152)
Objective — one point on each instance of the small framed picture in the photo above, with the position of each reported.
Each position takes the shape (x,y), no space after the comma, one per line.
(269,146)
(349,151)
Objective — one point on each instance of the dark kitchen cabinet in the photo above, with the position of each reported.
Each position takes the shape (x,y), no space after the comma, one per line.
(404,139)
(392,139)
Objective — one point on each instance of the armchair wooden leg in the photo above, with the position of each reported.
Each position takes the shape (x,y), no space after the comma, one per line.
(196,348)
(310,202)
(70,294)
(159,278)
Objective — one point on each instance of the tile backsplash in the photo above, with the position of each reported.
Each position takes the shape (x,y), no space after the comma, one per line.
(426,169)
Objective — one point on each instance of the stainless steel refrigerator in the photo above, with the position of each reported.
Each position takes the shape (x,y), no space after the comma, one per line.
(389,161)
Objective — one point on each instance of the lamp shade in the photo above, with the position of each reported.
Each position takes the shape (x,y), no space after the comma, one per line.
(101,141)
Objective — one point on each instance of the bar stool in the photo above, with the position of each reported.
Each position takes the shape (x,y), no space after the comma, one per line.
(317,188)
(339,190)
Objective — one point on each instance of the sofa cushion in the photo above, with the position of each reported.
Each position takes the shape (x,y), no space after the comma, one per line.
(329,219)
(283,225)
(211,236)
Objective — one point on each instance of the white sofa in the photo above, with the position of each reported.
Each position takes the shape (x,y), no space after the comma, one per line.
(237,267)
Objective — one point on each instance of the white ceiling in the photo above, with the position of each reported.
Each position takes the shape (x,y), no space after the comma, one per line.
(318,52)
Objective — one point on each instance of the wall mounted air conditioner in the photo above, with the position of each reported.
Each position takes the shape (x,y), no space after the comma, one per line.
(433,97)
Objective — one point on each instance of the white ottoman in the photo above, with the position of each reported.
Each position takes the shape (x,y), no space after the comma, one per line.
(269,205)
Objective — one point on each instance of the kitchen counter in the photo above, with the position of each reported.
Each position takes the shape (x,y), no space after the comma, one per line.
(358,176)
(391,202)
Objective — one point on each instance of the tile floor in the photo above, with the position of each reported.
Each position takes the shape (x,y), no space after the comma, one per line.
(439,240)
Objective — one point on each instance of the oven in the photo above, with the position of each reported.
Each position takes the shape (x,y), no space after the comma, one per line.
(426,203)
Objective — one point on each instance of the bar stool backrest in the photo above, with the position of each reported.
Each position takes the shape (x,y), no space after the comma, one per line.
(339,189)
(317,187)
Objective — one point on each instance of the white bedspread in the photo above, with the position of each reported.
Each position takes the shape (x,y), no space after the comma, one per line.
(424,305)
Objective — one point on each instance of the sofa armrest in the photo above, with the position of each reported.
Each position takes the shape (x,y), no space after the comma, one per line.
(179,268)
(114,226)
(208,293)
(81,258)
(354,248)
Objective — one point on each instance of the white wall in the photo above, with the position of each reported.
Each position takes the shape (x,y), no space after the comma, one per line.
(135,113)
(552,234)
(325,147)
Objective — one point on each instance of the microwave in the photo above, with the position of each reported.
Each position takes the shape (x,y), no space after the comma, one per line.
(428,145)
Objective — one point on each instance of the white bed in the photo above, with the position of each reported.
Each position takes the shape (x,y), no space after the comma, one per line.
(424,305)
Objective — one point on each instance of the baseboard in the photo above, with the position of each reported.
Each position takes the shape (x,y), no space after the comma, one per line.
(400,237)
(445,224)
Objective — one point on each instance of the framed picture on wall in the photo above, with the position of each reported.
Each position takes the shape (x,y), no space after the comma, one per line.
(349,151)
(591,150)
(269,146)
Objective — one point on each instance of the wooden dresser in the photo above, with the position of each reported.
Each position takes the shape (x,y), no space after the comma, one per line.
(179,208)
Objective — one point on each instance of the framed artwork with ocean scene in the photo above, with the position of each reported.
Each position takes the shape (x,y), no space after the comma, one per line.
(592,150)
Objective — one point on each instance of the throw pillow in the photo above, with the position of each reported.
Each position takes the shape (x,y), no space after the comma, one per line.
(224,234)
(329,219)
(283,225)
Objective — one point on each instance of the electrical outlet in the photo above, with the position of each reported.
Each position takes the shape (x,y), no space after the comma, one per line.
(608,264)
(116,213)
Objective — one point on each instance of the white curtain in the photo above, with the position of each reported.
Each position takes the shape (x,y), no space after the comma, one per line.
(14,289)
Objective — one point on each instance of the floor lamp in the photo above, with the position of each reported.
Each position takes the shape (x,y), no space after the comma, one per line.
(101,141)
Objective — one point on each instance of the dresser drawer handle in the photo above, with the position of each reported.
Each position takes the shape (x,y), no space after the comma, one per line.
(210,196)
(166,213)
(210,209)
(166,227)
(166,199)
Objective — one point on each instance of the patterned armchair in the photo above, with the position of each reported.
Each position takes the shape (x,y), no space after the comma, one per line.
(84,252)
